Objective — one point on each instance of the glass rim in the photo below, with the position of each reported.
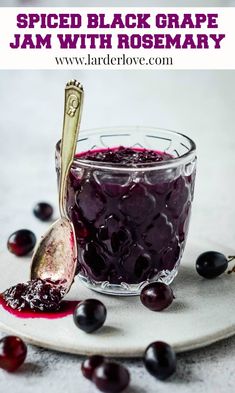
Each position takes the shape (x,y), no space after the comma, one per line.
(171,163)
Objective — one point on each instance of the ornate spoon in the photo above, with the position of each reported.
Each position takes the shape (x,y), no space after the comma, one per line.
(55,257)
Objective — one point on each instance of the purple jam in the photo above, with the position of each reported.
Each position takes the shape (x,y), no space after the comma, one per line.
(66,308)
(125,156)
(35,295)
(37,299)
(130,225)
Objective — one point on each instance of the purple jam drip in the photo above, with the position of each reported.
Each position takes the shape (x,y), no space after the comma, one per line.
(130,226)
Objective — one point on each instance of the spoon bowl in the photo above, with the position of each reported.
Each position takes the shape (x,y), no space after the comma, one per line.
(55,257)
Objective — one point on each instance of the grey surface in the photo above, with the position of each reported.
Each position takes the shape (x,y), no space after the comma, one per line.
(201,371)
(198,103)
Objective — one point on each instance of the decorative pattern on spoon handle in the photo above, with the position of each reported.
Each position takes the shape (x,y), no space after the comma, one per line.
(72,119)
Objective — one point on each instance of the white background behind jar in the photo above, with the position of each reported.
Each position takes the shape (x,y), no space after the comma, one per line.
(197,103)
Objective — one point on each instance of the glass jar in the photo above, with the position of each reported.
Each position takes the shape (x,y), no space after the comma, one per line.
(131,223)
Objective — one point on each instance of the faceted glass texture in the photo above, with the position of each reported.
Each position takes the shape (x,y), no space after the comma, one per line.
(131,223)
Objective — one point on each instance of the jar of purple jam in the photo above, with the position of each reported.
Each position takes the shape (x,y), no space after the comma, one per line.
(130,191)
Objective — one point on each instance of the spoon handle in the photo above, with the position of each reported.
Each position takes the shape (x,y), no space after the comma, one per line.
(72,118)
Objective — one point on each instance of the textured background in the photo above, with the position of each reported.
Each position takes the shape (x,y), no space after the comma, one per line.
(201,104)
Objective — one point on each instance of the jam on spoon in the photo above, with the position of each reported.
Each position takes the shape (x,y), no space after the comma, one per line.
(37,299)
(37,295)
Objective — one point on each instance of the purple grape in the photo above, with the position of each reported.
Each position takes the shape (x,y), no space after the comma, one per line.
(156,296)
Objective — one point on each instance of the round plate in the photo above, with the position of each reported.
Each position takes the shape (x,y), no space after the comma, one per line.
(202,313)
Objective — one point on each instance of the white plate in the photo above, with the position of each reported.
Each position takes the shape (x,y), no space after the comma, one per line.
(202,313)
